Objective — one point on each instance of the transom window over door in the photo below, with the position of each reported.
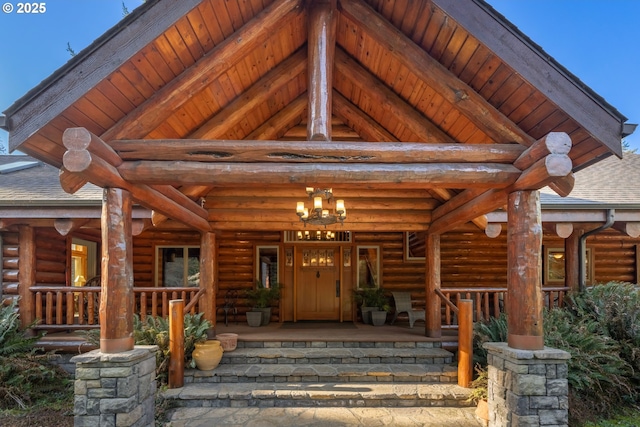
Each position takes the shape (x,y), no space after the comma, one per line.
(177,266)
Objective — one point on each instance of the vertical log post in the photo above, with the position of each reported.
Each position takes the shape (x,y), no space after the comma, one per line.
(176,343)
(322,31)
(524,261)
(465,342)
(433,318)
(572,260)
(26,274)
(116,296)
(208,279)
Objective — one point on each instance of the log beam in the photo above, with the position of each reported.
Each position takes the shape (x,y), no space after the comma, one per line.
(631,229)
(156,109)
(540,172)
(254,151)
(524,266)
(388,100)
(259,93)
(397,175)
(495,124)
(103,173)
(282,121)
(321,47)
(367,128)
(64,226)
(564,229)
(116,296)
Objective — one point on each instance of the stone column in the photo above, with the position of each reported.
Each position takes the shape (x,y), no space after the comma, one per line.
(527,388)
(115,389)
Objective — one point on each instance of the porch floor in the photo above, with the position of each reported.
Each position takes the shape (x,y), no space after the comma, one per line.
(335,331)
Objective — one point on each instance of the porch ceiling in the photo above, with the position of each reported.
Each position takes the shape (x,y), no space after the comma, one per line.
(425,72)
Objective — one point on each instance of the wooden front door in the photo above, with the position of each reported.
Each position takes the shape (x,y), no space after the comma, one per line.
(318,284)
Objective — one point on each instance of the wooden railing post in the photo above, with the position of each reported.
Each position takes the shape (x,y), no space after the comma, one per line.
(465,342)
(176,343)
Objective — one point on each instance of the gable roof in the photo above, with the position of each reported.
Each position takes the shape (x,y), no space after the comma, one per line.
(426,71)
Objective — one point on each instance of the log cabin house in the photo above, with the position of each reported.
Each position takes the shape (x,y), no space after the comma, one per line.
(210,125)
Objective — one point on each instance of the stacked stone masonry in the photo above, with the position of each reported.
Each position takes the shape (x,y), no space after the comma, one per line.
(115,390)
(527,388)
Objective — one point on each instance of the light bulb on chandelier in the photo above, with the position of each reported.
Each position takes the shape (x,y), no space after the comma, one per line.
(318,215)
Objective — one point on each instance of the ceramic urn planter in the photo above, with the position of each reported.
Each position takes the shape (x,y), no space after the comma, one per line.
(207,355)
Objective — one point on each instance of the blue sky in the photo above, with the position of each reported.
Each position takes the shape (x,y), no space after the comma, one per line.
(596,40)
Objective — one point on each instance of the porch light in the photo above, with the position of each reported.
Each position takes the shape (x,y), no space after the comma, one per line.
(318,215)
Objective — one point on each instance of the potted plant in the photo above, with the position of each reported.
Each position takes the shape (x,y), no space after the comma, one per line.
(261,300)
(373,302)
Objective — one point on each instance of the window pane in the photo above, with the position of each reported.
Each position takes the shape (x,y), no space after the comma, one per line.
(193,278)
(172,266)
(368,267)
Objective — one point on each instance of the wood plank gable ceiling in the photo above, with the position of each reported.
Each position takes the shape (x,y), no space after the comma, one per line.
(405,72)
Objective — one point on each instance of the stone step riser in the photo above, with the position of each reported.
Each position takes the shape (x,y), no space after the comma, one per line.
(387,378)
(336,344)
(315,403)
(243,360)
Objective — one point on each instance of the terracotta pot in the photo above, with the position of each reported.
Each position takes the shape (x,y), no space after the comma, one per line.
(482,410)
(207,355)
(229,341)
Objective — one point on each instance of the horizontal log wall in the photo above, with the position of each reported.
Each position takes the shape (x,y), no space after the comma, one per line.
(51,257)
(9,267)
(236,254)
(615,255)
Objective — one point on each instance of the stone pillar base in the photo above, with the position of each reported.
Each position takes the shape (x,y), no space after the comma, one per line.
(527,388)
(115,389)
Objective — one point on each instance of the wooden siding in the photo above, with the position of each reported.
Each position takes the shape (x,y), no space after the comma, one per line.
(10,260)
(469,259)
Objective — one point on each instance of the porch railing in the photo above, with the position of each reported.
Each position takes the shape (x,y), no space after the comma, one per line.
(76,308)
(489,302)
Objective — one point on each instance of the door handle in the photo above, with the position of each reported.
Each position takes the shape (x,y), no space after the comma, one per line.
(337,288)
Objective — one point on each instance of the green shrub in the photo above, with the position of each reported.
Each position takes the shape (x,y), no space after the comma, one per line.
(26,378)
(155,331)
(13,340)
(615,306)
(600,328)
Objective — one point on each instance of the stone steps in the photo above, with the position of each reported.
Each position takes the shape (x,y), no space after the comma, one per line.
(326,374)
(363,395)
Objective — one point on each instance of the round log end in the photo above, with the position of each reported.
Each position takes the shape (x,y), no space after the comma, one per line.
(558,164)
(76,161)
(76,138)
(558,143)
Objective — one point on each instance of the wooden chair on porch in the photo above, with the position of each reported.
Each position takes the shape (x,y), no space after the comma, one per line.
(403,305)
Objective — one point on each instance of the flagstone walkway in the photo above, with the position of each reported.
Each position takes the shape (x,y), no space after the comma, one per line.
(323,417)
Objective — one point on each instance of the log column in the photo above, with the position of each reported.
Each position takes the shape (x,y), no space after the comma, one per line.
(116,296)
(572,260)
(322,36)
(26,274)
(524,284)
(433,325)
(208,279)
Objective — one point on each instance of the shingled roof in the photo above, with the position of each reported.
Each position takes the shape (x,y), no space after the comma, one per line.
(39,185)
(611,183)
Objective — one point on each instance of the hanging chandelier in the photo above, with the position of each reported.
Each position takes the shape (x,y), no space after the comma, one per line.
(318,215)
